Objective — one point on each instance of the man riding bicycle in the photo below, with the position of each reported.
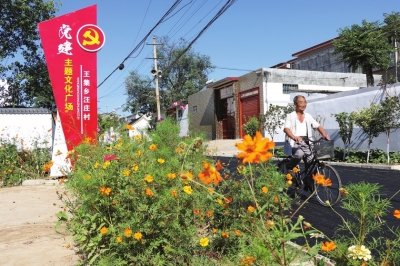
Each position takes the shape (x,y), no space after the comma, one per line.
(298,129)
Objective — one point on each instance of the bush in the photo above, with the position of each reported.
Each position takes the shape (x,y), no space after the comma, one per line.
(162,201)
(251,126)
(17,165)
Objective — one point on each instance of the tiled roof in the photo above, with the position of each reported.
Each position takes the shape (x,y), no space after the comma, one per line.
(20,111)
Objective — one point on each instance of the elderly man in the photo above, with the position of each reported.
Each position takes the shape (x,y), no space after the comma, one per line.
(299,125)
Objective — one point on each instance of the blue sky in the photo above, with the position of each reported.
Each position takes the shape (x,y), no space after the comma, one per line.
(251,34)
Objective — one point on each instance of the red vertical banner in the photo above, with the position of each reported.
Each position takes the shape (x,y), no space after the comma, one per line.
(70,43)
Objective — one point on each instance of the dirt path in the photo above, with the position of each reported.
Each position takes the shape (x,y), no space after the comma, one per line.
(27,233)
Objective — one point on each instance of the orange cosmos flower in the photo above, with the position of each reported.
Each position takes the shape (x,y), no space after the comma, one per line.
(225,235)
(396,214)
(209,213)
(237,232)
(104,230)
(129,127)
(218,165)
(119,239)
(289,177)
(250,209)
(149,192)
(328,246)
(276,199)
(296,170)
(196,211)
(215,230)
(47,166)
(138,236)
(320,180)
(128,232)
(255,150)
(174,193)
(171,176)
(105,190)
(264,190)
(209,175)
(153,147)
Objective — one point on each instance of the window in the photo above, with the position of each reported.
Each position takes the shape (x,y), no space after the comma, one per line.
(287,88)
(194,110)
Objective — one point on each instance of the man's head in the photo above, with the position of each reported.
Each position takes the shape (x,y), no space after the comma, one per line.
(300,103)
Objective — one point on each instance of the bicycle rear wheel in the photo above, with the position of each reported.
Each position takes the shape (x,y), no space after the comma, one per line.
(328,193)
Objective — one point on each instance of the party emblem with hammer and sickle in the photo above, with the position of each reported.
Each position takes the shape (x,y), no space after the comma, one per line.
(90,38)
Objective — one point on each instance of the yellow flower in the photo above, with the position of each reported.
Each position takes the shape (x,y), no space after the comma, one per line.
(210,190)
(96,165)
(104,230)
(137,236)
(289,176)
(250,209)
(153,147)
(119,239)
(215,230)
(220,201)
(87,177)
(138,153)
(106,164)
(255,150)
(148,179)
(328,246)
(138,137)
(264,190)
(129,127)
(204,242)
(135,167)
(161,160)
(126,172)
(171,176)
(237,232)
(187,190)
(128,232)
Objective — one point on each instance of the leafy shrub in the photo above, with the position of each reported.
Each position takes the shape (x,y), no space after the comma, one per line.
(251,126)
(17,165)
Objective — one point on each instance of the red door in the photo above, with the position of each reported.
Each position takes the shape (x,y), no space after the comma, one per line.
(249,107)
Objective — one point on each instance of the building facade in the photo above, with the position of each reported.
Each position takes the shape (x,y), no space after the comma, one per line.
(223,107)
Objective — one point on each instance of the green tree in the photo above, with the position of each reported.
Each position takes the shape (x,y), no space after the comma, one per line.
(22,61)
(141,94)
(392,29)
(273,119)
(369,120)
(364,46)
(390,118)
(346,124)
(184,72)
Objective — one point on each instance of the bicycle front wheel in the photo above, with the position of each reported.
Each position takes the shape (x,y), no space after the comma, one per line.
(331,193)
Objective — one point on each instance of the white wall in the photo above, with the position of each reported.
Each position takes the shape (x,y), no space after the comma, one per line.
(27,130)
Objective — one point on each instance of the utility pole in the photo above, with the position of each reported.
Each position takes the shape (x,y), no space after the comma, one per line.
(156,73)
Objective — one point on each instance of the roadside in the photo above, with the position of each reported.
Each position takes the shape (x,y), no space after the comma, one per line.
(27,226)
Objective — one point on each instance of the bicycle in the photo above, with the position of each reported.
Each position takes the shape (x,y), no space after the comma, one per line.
(321,150)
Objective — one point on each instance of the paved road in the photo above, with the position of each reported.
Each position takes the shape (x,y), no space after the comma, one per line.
(325,219)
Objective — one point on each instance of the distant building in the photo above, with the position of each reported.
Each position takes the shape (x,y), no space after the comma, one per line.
(223,107)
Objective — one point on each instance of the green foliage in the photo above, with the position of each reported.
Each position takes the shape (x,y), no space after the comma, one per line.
(152,200)
(251,126)
(346,123)
(273,118)
(17,165)
(367,227)
(364,46)
(27,76)
(109,120)
(377,156)
(141,96)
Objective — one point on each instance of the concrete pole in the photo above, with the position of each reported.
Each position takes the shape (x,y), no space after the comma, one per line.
(156,79)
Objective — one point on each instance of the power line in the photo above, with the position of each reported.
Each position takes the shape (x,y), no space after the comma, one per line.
(120,66)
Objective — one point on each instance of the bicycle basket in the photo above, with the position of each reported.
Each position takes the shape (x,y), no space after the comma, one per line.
(324,149)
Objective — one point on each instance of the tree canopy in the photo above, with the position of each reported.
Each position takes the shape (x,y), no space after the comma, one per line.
(184,72)
(365,46)
(22,60)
